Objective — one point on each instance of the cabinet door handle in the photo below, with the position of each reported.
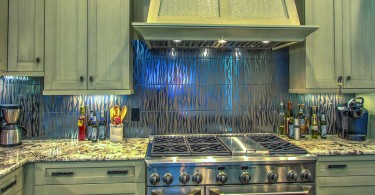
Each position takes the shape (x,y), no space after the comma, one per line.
(37,60)
(68,173)
(348,78)
(81,78)
(117,172)
(339,80)
(336,166)
(9,186)
(91,78)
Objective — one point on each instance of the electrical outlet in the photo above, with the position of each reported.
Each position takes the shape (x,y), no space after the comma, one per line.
(135,114)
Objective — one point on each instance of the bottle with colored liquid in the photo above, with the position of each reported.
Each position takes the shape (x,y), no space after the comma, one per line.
(102,126)
(82,124)
(94,129)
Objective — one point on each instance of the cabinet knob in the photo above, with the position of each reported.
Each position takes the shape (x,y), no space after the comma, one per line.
(81,78)
(348,78)
(37,60)
(91,78)
(339,80)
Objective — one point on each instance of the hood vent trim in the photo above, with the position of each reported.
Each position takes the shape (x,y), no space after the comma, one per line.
(202,23)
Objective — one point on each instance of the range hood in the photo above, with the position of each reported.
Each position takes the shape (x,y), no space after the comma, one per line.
(258,24)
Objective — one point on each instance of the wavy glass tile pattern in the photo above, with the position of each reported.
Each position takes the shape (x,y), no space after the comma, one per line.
(257,9)
(177,91)
(199,8)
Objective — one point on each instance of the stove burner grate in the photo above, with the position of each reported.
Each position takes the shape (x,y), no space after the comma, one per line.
(276,145)
(169,150)
(217,149)
(200,140)
(169,140)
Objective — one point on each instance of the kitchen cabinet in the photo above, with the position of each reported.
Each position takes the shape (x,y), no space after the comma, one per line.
(3,34)
(341,49)
(26,37)
(88,47)
(341,175)
(11,184)
(110,177)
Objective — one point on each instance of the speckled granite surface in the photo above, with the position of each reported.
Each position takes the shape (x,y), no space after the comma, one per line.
(70,150)
(335,146)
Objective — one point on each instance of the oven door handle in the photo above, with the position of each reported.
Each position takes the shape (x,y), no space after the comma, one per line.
(304,191)
(191,192)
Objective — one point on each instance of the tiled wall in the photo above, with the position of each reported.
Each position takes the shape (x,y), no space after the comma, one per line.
(177,91)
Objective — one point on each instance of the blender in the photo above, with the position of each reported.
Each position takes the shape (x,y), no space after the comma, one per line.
(11,133)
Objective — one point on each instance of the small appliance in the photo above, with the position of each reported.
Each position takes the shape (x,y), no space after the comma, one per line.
(352,119)
(11,132)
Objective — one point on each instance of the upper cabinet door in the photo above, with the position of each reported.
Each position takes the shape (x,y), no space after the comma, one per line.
(26,35)
(109,46)
(66,44)
(3,33)
(321,69)
(359,43)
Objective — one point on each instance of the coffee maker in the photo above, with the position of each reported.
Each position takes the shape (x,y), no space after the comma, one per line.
(352,119)
(11,132)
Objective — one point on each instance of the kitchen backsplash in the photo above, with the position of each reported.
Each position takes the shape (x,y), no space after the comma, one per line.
(177,91)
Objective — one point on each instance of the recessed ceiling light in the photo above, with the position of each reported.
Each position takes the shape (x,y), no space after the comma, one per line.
(265,42)
(177,41)
(222,41)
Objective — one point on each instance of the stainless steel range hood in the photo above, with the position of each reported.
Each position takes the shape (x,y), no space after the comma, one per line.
(269,24)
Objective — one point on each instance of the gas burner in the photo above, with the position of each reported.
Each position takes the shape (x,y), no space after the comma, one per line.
(168,140)
(199,140)
(265,138)
(169,150)
(283,148)
(217,149)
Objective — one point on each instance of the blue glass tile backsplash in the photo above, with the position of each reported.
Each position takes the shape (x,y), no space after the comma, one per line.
(177,91)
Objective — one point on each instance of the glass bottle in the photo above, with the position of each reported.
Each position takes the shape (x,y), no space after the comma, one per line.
(302,120)
(281,118)
(323,126)
(297,130)
(288,114)
(314,123)
(82,124)
(102,126)
(291,127)
(89,126)
(94,127)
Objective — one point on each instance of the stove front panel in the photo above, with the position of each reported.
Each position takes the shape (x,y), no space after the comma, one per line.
(259,173)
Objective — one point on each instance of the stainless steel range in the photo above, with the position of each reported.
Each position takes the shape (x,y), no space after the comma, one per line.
(228,164)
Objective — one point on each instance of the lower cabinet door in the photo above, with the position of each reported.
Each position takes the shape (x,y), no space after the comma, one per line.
(115,188)
(346,190)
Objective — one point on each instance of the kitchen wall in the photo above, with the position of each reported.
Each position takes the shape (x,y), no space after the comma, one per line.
(177,91)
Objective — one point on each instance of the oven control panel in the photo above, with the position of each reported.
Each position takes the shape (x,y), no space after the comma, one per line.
(173,175)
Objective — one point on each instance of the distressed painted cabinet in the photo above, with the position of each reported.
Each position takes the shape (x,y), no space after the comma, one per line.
(342,48)
(88,47)
(110,177)
(3,34)
(11,184)
(345,175)
(26,37)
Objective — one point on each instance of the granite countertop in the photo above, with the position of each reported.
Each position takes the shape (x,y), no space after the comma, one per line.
(334,145)
(70,150)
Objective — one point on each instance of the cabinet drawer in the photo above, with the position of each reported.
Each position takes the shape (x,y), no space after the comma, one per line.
(346,190)
(117,188)
(89,172)
(12,183)
(345,181)
(346,168)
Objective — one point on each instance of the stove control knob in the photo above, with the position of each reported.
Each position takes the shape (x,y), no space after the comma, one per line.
(221,178)
(197,178)
(292,175)
(154,179)
(168,178)
(272,176)
(245,177)
(306,175)
(184,178)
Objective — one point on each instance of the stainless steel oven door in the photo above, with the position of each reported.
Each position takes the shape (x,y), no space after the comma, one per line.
(262,189)
(180,190)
